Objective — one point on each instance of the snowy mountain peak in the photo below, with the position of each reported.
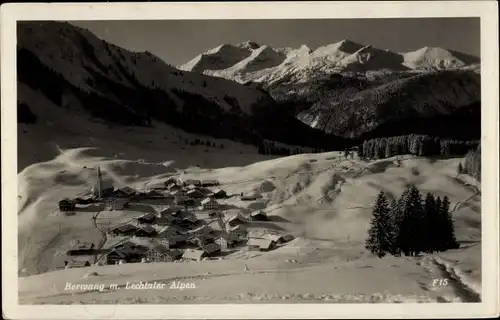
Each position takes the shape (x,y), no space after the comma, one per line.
(250,61)
(437,58)
(252,45)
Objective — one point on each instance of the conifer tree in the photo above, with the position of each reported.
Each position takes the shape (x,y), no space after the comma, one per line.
(394,215)
(430,223)
(400,225)
(379,234)
(460,168)
(414,210)
(447,230)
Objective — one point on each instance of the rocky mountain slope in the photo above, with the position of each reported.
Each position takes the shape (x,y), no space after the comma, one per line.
(80,73)
(439,103)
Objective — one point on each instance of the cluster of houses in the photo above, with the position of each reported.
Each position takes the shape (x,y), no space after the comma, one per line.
(174,233)
(188,193)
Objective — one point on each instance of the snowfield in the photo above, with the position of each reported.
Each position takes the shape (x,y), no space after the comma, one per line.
(323,200)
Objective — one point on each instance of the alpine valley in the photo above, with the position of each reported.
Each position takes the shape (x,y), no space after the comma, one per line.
(330,98)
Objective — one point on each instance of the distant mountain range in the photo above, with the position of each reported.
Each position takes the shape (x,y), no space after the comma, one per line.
(249,61)
(78,72)
(327,98)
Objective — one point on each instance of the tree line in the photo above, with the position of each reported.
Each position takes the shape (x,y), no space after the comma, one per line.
(472,165)
(420,145)
(208,143)
(410,225)
(269,148)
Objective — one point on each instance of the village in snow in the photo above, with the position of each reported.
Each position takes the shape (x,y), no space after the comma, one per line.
(173,221)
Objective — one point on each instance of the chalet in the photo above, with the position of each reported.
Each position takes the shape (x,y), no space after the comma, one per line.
(203,230)
(171,180)
(124,230)
(260,244)
(224,242)
(184,201)
(154,194)
(191,187)
(167,232)
(187,222)
(219,194)
(67,205)
(171,211)
(161,253)
(276,238)
(86,200)
(238,231)
(177,193)
(120,204)
(127,251)
(147,218)
(194,193)
(192,181)
(209,204)
(81,248)
(212,249)
(209,183)
(173,187)
(145,231)
(235,220)
(201,241)
(177,241)
(167,220)
(76,264)
(258,215)
(194,255)
(124,192)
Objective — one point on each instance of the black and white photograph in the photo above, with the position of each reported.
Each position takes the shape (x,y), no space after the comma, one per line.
(250,161)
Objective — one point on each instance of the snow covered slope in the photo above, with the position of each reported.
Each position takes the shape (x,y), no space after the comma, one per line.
(435,58)
(323,200)
(78,72)
(298,63)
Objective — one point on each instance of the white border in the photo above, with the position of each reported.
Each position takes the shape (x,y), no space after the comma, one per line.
(486,10)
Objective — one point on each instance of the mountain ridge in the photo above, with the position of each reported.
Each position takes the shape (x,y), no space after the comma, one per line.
(77,71)
(345,55)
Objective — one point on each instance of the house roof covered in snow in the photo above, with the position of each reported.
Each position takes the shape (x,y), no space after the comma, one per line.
(208,200)
(203,228)
(148,215)
(168,229)
(235,216)
(125,227)
(261,243)
(193,254)
(78,263)
(258,212)
(237,228)
(272,237)
(160,248)
(190,218)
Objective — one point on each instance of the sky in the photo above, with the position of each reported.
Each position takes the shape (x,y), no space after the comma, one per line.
(178,41)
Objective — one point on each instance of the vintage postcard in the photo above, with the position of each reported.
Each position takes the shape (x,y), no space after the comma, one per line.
(250,160)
